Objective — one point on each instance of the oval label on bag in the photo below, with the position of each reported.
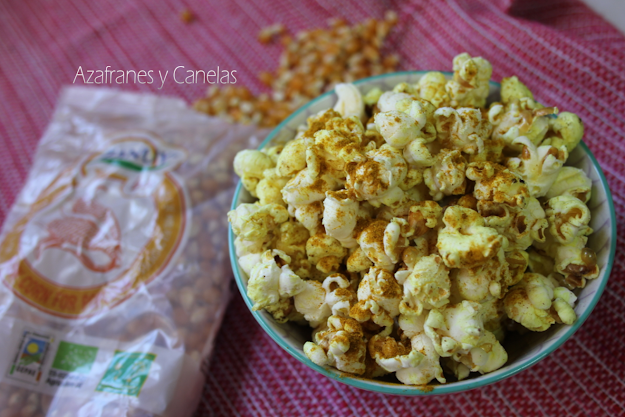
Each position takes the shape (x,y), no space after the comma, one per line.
(99,231)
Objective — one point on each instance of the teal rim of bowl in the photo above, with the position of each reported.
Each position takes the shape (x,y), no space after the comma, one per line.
(395,388)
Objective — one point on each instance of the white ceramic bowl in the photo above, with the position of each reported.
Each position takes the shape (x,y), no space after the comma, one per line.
(523,351)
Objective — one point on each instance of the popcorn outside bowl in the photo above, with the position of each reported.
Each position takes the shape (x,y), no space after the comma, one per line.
(523,351)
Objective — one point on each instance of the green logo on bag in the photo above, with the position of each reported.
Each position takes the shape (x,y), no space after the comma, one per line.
(137,152)
(127,373)
(72,357)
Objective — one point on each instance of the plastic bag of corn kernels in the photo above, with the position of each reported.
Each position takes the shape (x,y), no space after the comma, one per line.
(113,259)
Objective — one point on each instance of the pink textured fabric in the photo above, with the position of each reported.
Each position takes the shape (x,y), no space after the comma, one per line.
(566,54)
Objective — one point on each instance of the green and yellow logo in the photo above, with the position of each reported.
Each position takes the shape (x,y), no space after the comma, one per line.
(126,373)
(72,357)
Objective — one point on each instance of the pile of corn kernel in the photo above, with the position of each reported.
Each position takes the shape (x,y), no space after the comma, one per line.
(311,63)
(413,228)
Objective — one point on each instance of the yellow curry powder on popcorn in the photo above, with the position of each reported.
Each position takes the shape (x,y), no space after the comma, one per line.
(450,224)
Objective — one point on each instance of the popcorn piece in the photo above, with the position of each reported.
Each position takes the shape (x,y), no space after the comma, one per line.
(255,222)
(382,241)
(566,241)
(423,216)
(395,238)
(493,151)
(447,175)
(393,355)
(487,356)
(431,87)
(568,131)
(521,228)
(292,159)
(273,152)
(414,364)
(462,129)
(568,218)
(512,89)
(563,303)
(571,181)
(309,215)
(412,325)
(316,354)
(455,328)
(429,367)
(371,241)
(377,179)
(538,166)
(283,311)
(269,189)
(518,261)
(335,147)
(491,279)
(397,128)
(495,183)
(467,201)
(311,302)
(523,117)
(469,87)
(306,187)
(250,165)
(291,238)
(350,102)
(349,127)
(573,260)
(318,122)
(247,262)
(471,284)
(340,217)
(409,258)
(358,261)
(465,242)
(404,87)
(246,247)
(325,252)
(418,110)
(400,209)
(406,123)
(391,100)
(426,287)
(271,283)
(379,296)
(413,178)
(341,345)
(529,303)
(372,97)
(417,154)
(340,295)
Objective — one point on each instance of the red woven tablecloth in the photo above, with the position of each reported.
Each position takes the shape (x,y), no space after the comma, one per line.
(567,55)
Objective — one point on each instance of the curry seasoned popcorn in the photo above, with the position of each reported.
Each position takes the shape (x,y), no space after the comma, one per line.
(413,228)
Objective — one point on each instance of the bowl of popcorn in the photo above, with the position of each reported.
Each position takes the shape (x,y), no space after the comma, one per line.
(422,233)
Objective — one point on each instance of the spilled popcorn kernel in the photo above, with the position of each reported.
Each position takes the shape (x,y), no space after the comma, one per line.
(311,63)
(187,16)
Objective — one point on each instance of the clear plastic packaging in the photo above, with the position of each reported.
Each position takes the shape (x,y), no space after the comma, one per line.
(113,260)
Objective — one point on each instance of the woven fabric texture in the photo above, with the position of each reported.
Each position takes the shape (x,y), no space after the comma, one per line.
(566,54)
